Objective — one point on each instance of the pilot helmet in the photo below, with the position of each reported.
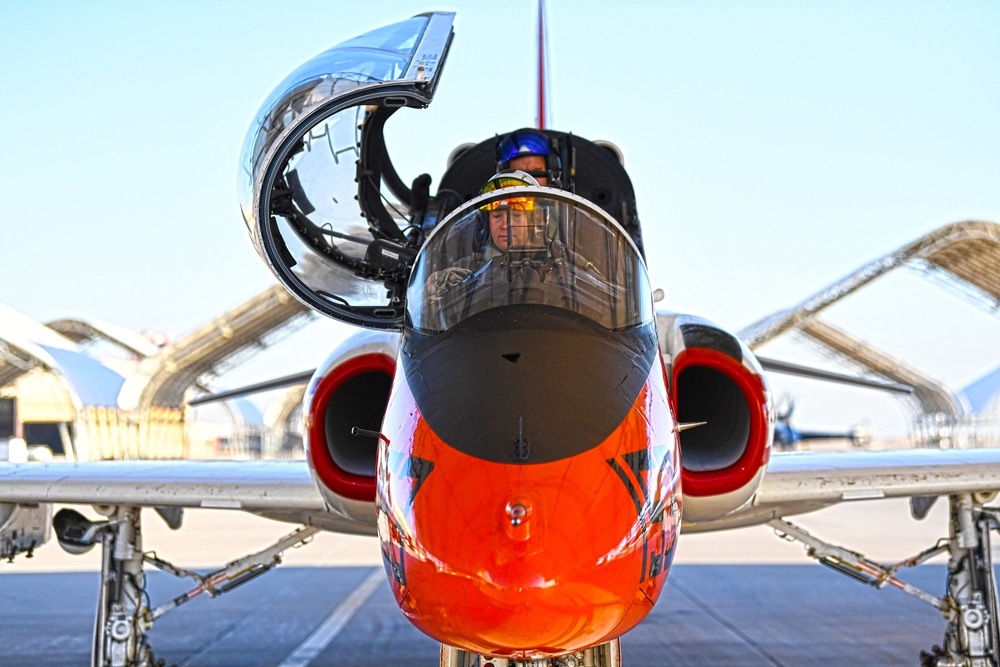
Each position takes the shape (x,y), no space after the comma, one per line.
(505,178)
(525,143)
(508,178)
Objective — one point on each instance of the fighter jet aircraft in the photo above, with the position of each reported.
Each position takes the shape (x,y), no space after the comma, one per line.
(527,437)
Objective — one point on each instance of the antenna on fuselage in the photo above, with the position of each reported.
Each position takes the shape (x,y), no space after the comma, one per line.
(542,119)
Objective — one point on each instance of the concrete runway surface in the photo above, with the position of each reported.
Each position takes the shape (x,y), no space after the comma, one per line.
(742,597)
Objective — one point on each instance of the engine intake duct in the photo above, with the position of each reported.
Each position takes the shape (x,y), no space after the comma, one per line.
(353,418)
(710,396)
(345,403)
(716,379)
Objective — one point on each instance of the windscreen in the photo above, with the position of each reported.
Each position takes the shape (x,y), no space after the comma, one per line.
(528,245)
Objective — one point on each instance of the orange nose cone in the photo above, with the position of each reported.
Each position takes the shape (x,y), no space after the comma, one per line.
(545,577)
(520,602)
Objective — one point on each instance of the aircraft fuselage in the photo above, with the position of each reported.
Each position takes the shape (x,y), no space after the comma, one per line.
(528,483)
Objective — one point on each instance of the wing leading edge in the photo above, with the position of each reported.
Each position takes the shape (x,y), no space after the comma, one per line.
(244,485)
(799,482)
(281,490)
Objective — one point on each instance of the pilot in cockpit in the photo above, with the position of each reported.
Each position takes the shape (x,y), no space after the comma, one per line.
(529,150)
(518,245)
(513,223)
(505,226)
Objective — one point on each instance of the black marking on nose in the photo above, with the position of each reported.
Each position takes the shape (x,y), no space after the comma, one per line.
(512,357)
(521,446)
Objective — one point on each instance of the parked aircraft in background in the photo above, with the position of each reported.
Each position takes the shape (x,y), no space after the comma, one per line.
(526,436)
(789,437)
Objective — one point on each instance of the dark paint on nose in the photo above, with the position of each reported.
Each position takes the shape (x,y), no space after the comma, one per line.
(527,383)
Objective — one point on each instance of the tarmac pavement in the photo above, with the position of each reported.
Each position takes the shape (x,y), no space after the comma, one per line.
(741,597)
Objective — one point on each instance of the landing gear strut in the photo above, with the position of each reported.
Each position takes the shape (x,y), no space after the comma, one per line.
(120,627)
(608,654)
(972,637)
(124,614)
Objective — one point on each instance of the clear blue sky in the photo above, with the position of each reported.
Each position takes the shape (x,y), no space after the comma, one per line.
(774,146)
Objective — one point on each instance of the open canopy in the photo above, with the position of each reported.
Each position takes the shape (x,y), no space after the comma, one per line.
(320,197)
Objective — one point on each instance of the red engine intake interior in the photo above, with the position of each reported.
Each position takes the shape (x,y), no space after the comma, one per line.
(727,451)
(352,395)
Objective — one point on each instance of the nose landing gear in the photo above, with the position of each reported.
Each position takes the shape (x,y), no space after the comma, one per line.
(605,655)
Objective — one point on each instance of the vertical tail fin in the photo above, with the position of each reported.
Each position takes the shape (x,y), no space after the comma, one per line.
(542,120)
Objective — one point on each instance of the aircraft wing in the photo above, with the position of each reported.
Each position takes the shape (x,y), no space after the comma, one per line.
(279,490)
(798,482)
(253,486)
(794,483)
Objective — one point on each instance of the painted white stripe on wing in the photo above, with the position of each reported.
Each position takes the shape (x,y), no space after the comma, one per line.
(221,504)
(334,623)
